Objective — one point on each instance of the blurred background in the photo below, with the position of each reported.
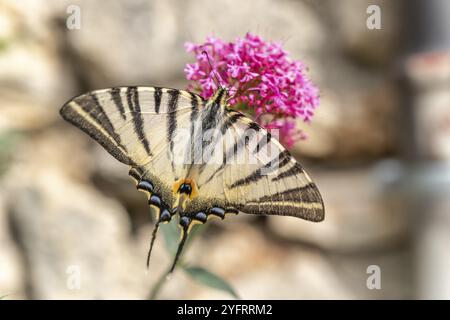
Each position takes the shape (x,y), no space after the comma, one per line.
(378,148)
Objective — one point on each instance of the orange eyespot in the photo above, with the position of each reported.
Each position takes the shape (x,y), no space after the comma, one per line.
(186,186)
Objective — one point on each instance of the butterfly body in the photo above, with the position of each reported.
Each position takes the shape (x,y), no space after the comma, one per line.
(195,158)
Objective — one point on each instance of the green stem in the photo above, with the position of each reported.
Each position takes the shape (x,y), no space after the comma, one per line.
(163,278)
(158,286)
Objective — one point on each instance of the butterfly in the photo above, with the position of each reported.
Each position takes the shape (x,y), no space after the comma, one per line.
(195,158)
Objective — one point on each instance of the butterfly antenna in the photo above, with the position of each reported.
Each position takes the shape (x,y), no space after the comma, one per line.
(155,230)
(213,71)
(180,248)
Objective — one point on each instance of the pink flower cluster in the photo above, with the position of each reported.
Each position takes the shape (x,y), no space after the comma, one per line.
(262,80)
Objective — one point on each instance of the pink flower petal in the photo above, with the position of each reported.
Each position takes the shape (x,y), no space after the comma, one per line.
(278,85)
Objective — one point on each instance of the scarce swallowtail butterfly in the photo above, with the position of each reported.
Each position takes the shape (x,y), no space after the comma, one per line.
(195,158)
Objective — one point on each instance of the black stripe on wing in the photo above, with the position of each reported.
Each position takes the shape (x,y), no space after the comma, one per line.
(294,170)
(195,107)
(280,161)
(117,99)
(293,209)
(157,96)
(135,108)
(303,202)
(302,194)
(262,143)
(84,113)
(232,117)
(211,119)
(172,122)
(92,106)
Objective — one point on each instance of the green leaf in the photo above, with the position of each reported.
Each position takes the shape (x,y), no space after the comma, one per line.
(3,297)
(209,279)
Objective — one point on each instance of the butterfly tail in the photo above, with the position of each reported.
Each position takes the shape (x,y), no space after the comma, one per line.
(184,224)
(152,241)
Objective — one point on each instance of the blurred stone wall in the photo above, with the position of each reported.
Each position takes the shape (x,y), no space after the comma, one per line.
(65,202)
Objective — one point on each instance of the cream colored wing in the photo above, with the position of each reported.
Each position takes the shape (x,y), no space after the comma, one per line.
(258,176)
(139,127)
(130,122)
